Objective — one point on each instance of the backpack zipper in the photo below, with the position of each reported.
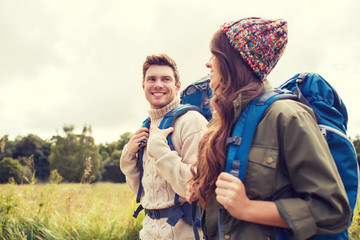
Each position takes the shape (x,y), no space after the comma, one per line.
(324,128)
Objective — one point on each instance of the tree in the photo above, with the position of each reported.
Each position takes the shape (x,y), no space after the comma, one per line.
(69,154)
(111,153)
(33,148)
(124,139)
(357,147)
(111,168)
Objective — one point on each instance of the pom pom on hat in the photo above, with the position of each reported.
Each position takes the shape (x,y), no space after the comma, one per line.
(260,42)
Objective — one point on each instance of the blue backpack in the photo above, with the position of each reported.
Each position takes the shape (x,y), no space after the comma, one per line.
(198,94)
(312,90)
(188,212)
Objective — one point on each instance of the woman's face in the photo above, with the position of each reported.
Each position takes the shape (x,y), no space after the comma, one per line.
(213,65)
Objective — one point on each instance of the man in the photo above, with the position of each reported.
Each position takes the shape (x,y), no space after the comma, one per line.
(165,172)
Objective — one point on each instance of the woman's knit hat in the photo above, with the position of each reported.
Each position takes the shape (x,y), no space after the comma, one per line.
(260,42)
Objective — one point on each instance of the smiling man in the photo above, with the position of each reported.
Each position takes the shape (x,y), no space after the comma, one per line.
(165,172)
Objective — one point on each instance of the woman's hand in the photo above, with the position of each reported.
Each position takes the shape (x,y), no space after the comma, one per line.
(139,139)
(230,192)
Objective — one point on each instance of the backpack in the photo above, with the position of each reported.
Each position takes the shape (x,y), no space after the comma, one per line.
(198,94)
(312,90)
(332,119)
(188,212)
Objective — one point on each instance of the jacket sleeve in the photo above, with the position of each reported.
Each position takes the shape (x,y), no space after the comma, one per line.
(320,204)
(174,166)
(128,167)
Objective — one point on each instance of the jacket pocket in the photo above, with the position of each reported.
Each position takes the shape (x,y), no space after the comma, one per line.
(261,172)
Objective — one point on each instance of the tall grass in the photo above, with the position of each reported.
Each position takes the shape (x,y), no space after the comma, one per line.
(354,229)
(68,211)
(77,211)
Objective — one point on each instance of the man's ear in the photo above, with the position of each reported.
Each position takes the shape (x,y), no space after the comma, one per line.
(143,84)
(178,85)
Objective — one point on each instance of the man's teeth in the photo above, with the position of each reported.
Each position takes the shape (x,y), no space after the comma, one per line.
(158,94)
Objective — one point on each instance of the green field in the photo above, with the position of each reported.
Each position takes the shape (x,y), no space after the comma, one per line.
(68,211)
(75,211)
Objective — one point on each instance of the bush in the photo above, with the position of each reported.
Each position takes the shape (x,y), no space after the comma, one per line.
(10,168)
(55,177)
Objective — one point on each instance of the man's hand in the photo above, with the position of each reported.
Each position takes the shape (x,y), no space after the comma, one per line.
(190,192)
(139,139)
(158,145)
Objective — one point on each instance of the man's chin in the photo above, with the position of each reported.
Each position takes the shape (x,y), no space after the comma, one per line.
(158,105)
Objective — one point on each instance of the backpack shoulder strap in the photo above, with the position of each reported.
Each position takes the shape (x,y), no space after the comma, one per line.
(168,121)
(242,136)
(139,165)
(244,130)
(145,124)
(170,118)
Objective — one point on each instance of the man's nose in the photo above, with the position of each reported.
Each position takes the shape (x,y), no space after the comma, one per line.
(158,83)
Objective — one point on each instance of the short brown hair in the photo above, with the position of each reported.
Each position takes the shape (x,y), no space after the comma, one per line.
(161,59)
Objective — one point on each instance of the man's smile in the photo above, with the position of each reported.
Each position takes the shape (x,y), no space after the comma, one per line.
(158,94)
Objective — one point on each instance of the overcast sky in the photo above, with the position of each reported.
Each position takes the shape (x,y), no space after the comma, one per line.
(80,61)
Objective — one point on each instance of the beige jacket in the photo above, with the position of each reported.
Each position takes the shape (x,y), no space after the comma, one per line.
(165,171)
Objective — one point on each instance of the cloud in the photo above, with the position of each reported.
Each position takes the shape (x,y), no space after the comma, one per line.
(80,62)
(26,42)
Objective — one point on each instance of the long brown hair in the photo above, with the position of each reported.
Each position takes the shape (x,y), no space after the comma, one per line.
(236,78)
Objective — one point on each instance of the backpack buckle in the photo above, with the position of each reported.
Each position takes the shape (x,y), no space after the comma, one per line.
(156,214)
(153,214)
(236,140)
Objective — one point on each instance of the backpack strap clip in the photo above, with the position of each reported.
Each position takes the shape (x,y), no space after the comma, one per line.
(236,140)
(137,211)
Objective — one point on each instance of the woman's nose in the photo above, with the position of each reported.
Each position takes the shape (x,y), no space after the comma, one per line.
(208,64)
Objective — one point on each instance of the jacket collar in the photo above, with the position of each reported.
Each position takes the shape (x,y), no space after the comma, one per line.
(156,114)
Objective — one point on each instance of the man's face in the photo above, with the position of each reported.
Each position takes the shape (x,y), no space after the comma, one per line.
(159,85)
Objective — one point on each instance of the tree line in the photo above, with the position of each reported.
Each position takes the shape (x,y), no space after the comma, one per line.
(68,158)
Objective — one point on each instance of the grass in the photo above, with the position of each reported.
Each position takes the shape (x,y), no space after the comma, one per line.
(354,229)
(77,211)
(68,211)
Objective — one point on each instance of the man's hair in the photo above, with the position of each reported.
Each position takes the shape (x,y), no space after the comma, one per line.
(163,60)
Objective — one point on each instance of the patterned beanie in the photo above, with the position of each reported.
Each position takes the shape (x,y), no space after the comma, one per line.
(260,42)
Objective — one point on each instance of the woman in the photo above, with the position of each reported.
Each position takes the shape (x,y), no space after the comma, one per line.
(291,181)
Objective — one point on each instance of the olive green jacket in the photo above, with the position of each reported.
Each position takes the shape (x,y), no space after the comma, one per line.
(290,163)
